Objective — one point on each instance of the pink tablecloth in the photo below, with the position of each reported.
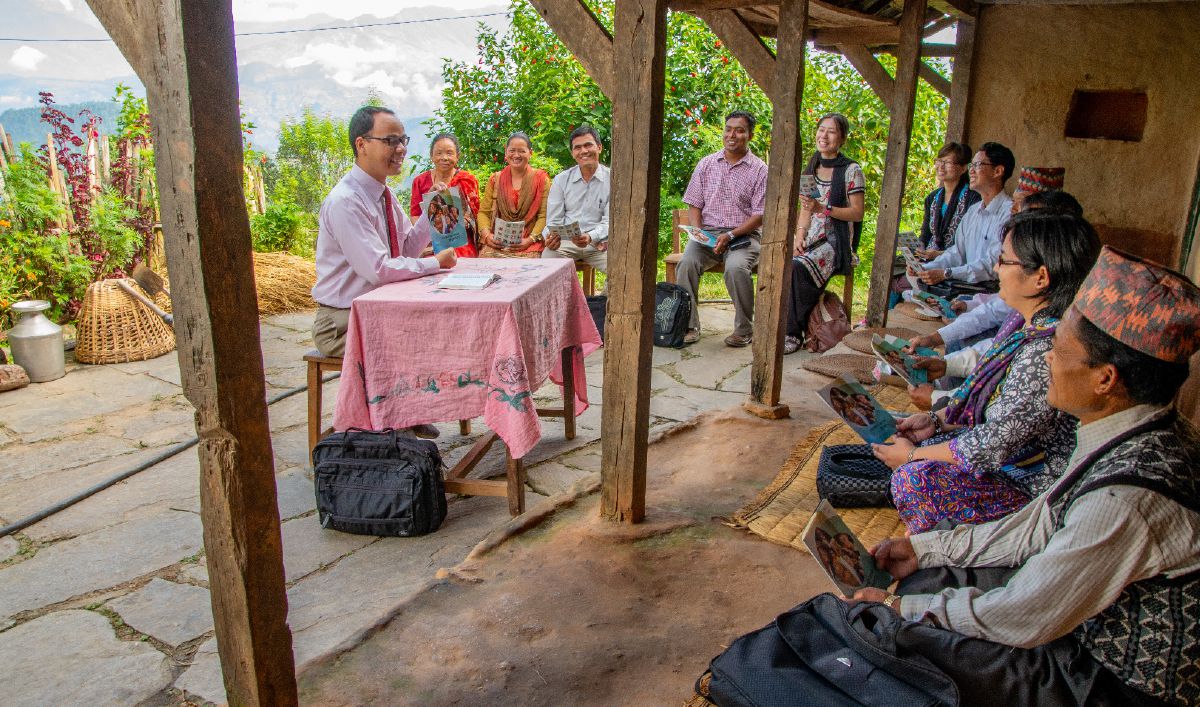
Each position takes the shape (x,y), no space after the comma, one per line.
(417,354)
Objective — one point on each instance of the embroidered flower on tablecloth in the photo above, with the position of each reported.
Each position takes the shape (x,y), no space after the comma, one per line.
(511,370)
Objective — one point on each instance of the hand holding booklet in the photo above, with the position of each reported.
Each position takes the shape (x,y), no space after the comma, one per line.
(835,548)
(509,233)
(940,304)
(891,351)
(859,409)
(566,232)
(700,235)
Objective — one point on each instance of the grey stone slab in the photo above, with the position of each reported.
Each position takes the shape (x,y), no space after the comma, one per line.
(170,376)
(74,658)
(204,678)
(166,362)
(328,607)
(196,573)
(714,366)
(294,493)
(688,404)
(31,460)
(661,380)
(158,424)
(293,321)
(552,477)
(291,447)
(293,411)
(9,547)
(585,459)
(664,355)
(172,613)
(739,382)
(172,483)
(307,547)
(99,560)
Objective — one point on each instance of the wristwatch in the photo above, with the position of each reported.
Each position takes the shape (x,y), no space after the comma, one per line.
(890,601)
(828,210)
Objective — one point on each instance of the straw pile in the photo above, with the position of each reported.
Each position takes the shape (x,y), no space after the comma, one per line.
(284,282)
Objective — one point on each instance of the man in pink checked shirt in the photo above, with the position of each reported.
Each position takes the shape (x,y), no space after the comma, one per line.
(365,240)
(726,197)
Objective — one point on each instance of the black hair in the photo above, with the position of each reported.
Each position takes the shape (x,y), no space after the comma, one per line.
(843,124)
(960,151)
(1147,380)
(444,136)
(1000,155)
(1066,245)
(521,136)
(362,121)
(744,115)
(580,132)
(1054,202)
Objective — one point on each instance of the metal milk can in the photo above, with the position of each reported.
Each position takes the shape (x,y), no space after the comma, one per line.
(37,342)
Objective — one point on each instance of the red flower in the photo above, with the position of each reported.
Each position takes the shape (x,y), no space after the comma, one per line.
(687,112)
(717,44)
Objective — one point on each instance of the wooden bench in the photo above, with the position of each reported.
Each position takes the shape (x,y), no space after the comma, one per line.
(679,217)
(589,277)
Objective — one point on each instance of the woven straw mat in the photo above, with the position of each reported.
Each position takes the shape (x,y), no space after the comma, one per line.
(115,328)
(912,310)
(834,365)
(860,339)
(783,508)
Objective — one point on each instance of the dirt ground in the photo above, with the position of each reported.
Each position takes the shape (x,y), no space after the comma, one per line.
(578,611)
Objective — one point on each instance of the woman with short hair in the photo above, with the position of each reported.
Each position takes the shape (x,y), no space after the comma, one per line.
(999,443)
(516,193)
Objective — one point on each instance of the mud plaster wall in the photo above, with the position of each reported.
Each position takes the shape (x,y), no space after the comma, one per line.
(1029,60)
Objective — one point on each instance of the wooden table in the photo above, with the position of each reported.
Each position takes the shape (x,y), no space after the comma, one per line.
(418,354)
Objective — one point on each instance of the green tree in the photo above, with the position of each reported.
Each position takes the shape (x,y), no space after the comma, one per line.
(314,152)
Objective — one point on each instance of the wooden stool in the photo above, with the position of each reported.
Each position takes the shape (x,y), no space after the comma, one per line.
(318,366)
(589,277)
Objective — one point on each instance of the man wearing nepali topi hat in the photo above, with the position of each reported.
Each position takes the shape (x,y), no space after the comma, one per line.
(1036,180)
(1091,593)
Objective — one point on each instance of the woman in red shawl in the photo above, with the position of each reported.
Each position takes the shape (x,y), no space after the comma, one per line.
(443,153)
(515,193)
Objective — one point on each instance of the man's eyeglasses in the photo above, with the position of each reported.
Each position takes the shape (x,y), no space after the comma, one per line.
(391,141)
(974,166)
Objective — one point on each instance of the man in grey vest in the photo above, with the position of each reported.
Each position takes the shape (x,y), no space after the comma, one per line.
(1091,593)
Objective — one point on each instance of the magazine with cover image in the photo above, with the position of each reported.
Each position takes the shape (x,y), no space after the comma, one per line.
(911,260)
(509,233)
(444,211)
(808,186)
(939,304)
(910,240)
(891,351)
(700,235)
(836,549)
(859,409)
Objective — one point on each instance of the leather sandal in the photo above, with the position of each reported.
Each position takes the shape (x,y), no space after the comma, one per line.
(737,341)
(692,336)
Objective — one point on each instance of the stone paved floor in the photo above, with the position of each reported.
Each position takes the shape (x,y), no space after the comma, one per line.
(107,601)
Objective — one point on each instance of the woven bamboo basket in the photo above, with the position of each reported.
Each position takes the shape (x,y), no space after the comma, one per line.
(834,365)
(116,328)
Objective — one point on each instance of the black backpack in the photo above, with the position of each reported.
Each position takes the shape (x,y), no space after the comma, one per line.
(672,312)
(378,483)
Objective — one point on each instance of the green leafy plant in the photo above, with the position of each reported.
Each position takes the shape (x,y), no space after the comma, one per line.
(314,153)
(111,217)
(283,227)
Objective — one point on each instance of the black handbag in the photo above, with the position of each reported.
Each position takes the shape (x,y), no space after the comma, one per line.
(850,476)
(378,483)
(672,312)
(598,308)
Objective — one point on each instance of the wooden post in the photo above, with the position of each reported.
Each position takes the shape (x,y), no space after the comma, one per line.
(960,84)
(896,164)
(639,51)
(183,51)
(779,216)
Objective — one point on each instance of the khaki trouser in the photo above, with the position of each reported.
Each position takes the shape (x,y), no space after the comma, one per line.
(588,255)
(329,330)
(739,269)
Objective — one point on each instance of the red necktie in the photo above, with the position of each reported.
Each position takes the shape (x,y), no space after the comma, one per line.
(393,234)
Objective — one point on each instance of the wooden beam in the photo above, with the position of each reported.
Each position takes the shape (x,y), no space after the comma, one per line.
(827,13)
(698,6)
(937,50)
(940,83)
(184,55)
(958,8)
(960,82)
(576,25)
(640,51)
(870,36)
(939,25)
(876,76)
(779,215)
(895,168)
(746,46)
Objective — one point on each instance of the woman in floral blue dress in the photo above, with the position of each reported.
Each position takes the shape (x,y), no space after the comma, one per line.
(977,460)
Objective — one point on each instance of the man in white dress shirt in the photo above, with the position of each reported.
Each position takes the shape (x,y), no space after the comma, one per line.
(365,240)
(580,195)
(972,258)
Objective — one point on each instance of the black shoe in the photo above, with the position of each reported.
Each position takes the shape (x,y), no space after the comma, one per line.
(425,431)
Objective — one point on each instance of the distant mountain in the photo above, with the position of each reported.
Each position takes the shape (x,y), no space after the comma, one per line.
(278,74)
(25,124)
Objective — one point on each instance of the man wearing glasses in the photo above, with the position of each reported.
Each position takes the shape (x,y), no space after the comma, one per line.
(969,264)
(580,195)
(365,240)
